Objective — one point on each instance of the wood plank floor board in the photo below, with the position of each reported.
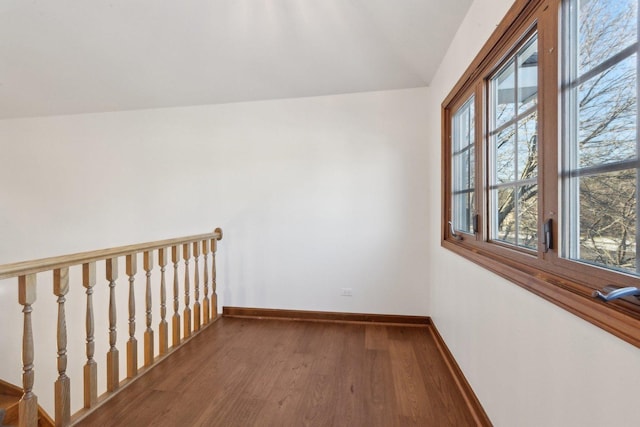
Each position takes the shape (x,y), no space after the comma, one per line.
(316,406)
(160,415)
(436,377)
(350,404)
(408,382)
(328,350)
(376,338)
(381,399)
(250,372)
(287,394)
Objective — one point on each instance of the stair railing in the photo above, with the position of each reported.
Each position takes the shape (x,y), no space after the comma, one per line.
(152,253)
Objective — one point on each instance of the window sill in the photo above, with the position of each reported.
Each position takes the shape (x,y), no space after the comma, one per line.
(612,317)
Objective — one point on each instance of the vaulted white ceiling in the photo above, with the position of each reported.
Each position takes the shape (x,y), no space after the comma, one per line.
(73,56)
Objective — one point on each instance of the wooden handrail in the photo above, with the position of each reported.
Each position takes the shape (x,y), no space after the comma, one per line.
(27,271)
(46,264)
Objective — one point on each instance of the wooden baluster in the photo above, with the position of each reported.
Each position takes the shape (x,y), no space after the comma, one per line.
(62,396)
(113,361)
(163,329)
(196,285)
(206,316)
(91,367)
(132,343)
(175,321)
(214,285)
(148,333)
(186,255)
(28,406)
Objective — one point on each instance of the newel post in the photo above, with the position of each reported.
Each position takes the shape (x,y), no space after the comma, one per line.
(214,285)
(28,407)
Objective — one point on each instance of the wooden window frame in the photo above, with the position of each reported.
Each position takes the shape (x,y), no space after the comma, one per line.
(566,283)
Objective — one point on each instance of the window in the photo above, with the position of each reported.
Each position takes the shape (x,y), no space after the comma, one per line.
(601,144)
(513,134)
(541,156)
(463,167)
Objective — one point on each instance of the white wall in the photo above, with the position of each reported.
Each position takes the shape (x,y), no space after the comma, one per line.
(313,195)
(530,362)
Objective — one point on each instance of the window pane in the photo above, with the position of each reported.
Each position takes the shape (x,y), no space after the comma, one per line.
(607,109)
(528,147)
(472,170)
(463,180)
(506,218)
(463,164)
(505,155)
(460,181)
(461,134)
(463,204)
(505,94)
(528,216)
(463,213)
(463,167)
(608,219)
(528,76)
(470,212)
(605,27)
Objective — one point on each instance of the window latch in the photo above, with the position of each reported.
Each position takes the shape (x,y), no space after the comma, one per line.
(618,293)
(548,237)
(475,222)
(453,232)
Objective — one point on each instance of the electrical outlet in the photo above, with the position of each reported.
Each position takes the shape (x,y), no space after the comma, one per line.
(346,292)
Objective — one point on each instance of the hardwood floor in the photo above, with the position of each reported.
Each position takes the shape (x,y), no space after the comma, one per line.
(249,372)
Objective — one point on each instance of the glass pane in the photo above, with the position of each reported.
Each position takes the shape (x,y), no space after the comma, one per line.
(461,179)
(505,155)
(463,212)
(470,211)
(608,219)
(463,126)
(461,139)
(505,95)
(456,177)
(472,114)
(528,75)
(506,218)
(605,27)
(472,170)
(528,147)
(607,108)
(457,138)
(528,216)
(465,175)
